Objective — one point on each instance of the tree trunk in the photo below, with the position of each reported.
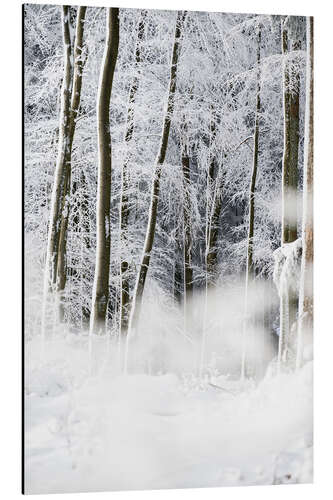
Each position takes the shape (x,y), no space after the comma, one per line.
(249,262)
(213,229)
(187,233)
(84,232)
(305,324)
(289,300)
(177,270)
(294,148)
(291,140)
(74,108)
(100,295)
(59,189)
(287,144)
(149,240)
(210,207)
(124,207)
(55,272)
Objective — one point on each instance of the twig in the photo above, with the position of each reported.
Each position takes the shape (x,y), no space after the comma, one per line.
(221,388)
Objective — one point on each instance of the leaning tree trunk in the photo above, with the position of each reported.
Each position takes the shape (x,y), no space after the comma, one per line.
(288,296)
(59,189)
(305,324)
(149,240)
(249,261)
(124,206)
(100,294)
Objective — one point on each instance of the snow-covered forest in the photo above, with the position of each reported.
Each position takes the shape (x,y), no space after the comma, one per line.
(168,256)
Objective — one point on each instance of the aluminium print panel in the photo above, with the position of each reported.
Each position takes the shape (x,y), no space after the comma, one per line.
(168,166)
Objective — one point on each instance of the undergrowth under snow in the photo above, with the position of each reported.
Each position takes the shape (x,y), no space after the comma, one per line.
(116,432)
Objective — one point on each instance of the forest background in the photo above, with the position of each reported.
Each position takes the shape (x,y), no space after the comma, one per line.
(323,182)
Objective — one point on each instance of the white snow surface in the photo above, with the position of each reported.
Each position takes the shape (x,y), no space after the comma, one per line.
(114,432)
(287,266)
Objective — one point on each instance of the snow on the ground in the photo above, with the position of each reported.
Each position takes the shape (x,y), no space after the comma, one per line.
(112,432)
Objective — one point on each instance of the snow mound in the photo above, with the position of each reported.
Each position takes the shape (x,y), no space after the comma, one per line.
(149,432)
(287,266)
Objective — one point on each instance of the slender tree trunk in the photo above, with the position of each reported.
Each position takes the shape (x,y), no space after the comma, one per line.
(291,141)
(177,279)
(209,209)
(212,223)
(148,245)
(213,229)
(284,300)
(293,297)
(178,282)
(294,148)
(188,277)
(55,272)
(84,230)
(287,142)
(59,185)
(187,233)
(74,109)
(289,299)
(305,324)
(250,272)
(100,295)
(249,264)
(124,204)
(210,205)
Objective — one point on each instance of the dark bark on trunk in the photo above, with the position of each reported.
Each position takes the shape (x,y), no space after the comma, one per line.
(177,271)
(188,271)
(294,147)
(250,267)
(212,260)
(213,231)
(124,203)
(82,224)
(71,91)
(286,146)
(60,181)
(75,103)
(289,302)
(148,245)
(291,140)
(74,108)
(213,214)
(102,269)
(187,233)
